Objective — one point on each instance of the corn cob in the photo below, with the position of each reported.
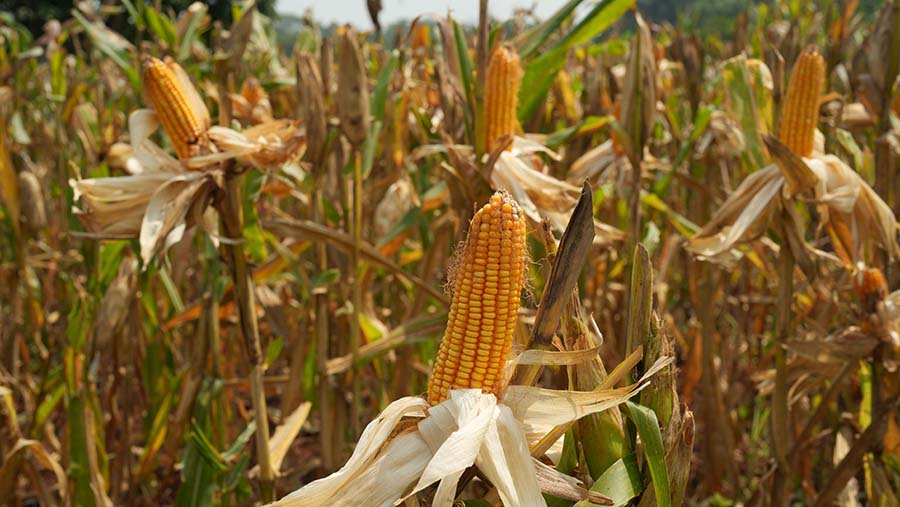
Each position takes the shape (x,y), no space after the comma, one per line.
(177,104)
(801,105)
(504,75)
(485,302)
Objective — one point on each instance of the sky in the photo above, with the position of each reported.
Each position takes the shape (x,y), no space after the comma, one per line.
(355,12)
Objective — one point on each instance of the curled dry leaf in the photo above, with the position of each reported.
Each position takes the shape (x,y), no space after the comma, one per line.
(120,156)
(744,216)
(541,195)
(844,198)
(33,209)
(252,104)
(599,164)
(174,206)
(266,146)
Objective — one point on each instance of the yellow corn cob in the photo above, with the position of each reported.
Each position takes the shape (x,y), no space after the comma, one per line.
(801,103)
(183,120)
(501,94)
(487,284)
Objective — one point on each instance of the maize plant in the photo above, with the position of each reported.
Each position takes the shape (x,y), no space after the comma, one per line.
(471,417)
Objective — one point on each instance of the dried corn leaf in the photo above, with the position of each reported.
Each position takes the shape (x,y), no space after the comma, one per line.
(744,216)
(541,195)
(552,407)
(844,197)
(176,204)
(387,467)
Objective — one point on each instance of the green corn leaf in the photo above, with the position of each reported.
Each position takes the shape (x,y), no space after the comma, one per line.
(621,482)
(741,104)
(379,97)
(647,427)
(540,73)
(540,33)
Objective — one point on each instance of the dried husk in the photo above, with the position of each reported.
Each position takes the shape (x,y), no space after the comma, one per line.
(639,91)
(397,201)
(31,201)
(120,156)
(311,100)
(353,92)
(266,146)
(541,195)
(116,304)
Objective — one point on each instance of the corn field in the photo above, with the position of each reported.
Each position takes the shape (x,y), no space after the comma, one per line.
(592,259)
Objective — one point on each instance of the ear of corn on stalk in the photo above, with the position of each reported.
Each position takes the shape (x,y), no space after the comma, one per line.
(32,201)
(177,104)
(801,103)
(483,312)
(352,93)
(501,95)
(311,97)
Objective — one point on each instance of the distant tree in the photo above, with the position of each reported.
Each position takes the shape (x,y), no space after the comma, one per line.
(34,13)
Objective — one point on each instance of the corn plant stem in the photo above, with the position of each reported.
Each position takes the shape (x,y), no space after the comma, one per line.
(355,332)
(714,402)
(800,443)
(326,428)
(850,464)
(230,212)
(886,185)
(218,416)
(780,412)
(634,211)
(480,77)
(11,346)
